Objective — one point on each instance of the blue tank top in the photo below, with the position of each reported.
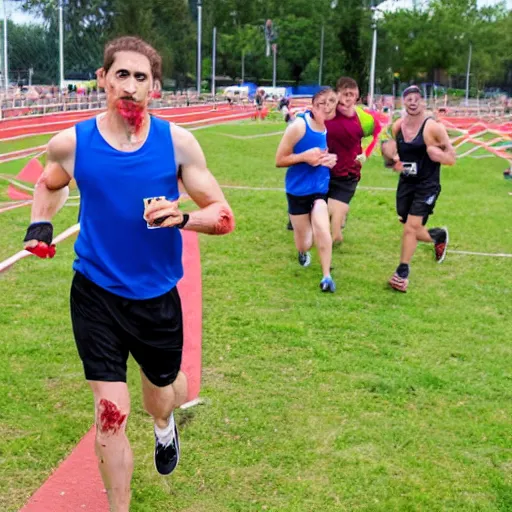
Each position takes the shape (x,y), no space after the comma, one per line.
(303,179)
(115,249)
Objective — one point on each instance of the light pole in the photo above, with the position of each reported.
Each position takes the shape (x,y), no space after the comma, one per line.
(274,71)
(6,65)
(374,56)
(199,27)
(214,51)
(322,33)
(468,72)
(61,46)
(243,66)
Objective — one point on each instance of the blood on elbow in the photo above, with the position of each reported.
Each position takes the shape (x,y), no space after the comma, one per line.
(226,222)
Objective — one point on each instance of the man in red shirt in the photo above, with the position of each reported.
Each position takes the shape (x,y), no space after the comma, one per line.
(344,135)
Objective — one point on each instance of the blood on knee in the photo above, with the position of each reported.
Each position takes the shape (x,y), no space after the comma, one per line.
(226,222)
(110,417)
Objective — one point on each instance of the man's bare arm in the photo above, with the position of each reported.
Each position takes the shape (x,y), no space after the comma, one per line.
(214,216)
(285,157)
(389,148)
(439,147)
(51,189)
(50,193)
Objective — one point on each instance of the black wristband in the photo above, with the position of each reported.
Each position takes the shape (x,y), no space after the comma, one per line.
(388,162)
(183,223)
(40,231)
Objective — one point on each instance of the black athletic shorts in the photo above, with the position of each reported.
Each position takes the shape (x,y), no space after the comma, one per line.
(342,189)
(108,327)
(416,199)
(302,205)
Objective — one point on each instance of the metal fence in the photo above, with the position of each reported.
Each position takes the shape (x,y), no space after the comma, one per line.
(19,104)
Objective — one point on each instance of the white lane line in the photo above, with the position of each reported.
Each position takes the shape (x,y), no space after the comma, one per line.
(18,184)
(14,206)
(387,189)
(491,254)
(246,137)
(241,187)
(21,153)
(4,265)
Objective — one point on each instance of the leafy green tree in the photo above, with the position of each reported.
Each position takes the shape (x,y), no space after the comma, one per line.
(31,47)
(353,31)
(417,44)
(86,23)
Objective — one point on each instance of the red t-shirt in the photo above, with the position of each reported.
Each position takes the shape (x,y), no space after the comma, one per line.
(344,136)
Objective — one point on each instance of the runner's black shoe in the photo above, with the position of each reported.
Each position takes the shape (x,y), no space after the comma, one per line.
(168,456)
(441,238)
(304,259)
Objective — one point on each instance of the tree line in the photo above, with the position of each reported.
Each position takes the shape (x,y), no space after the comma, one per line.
(427,44)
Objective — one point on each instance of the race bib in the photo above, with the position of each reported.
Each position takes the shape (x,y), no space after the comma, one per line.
(147,202)
(410,168)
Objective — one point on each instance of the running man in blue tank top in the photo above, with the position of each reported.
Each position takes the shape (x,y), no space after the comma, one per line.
(303,149)
(420,146)
(128,254)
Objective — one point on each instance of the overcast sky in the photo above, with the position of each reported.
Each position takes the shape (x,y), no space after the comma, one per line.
(393,5)
(19,16)
(16,14)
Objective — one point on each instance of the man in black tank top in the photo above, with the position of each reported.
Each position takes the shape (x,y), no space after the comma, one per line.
(420,146)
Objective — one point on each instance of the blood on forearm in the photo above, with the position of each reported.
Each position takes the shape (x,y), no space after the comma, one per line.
(215,219)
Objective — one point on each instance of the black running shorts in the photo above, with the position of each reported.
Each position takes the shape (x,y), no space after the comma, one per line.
(416,199)
(302,205)
(342,189)
(108,328)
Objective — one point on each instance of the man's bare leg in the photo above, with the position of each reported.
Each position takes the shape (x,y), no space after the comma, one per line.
(413,231)
(338,212)
(322,235)
(302,232)
(115,458)
(160,402)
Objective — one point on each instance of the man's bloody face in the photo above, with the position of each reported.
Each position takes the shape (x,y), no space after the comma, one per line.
(128,84)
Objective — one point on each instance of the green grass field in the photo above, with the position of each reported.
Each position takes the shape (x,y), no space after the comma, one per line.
(34,141)
(362,400)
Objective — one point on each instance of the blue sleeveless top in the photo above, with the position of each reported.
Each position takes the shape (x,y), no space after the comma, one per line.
(115,249)
(303,179)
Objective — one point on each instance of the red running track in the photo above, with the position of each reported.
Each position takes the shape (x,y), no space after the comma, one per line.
(204,114)
(76,484)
